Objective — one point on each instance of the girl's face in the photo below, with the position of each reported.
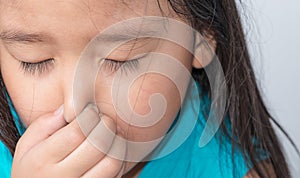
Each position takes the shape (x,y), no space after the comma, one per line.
(53,34)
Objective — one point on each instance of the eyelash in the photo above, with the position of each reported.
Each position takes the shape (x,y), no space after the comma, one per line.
(37,67)
(112,65)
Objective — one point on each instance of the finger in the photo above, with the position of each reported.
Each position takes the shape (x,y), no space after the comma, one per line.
(108,167)
(112,165)
(92,150)
(67,139)
(40,130)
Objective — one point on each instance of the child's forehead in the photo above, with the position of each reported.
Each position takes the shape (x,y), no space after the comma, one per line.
(77,20)
(69,17)
(109,8)
(69,8)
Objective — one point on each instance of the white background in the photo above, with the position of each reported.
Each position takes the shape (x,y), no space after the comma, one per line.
(273,35)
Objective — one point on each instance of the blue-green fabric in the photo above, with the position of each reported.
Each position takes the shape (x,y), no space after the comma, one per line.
(188,160)
(5,155)
(5,161)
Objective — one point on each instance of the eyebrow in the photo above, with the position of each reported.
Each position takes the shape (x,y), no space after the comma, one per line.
(13,36)
(16,36)
(129,35)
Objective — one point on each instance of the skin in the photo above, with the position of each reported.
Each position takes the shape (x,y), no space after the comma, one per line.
(53,144)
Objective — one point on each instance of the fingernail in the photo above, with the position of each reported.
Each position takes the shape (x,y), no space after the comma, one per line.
(59,111)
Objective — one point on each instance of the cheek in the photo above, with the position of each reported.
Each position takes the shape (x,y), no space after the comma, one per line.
(149,85)
(139,96)
(19,89)
(31,99)
(29,95)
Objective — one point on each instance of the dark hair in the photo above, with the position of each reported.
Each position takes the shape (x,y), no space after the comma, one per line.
(9,134)
(248,114)
(249,117)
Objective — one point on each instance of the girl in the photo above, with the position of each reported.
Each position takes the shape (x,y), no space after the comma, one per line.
(40,45)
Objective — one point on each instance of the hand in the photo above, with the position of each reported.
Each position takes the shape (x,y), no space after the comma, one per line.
(52,148)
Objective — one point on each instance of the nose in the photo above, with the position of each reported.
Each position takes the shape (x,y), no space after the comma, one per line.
(67,77)
(77,90)
(69,110)
(78,79)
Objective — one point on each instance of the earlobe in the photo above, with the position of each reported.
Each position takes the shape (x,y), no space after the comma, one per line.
(205,47)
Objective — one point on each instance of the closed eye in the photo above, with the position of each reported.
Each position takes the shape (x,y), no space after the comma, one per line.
(113,65)
(37,68)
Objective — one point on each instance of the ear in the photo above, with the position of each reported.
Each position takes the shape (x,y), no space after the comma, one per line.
(205,47)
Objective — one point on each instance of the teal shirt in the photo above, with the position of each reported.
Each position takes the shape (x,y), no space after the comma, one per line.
(187,160)
(5,161)
(5,155)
